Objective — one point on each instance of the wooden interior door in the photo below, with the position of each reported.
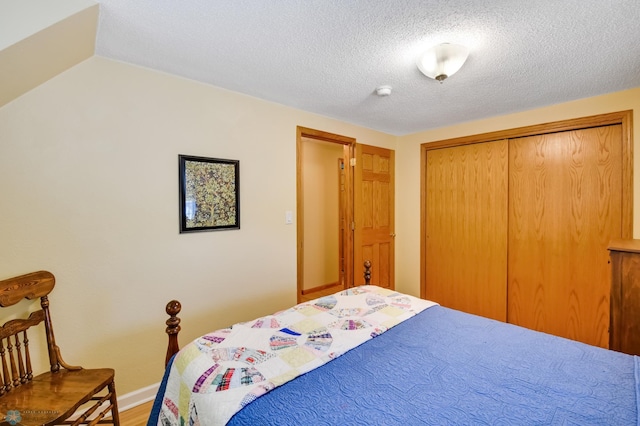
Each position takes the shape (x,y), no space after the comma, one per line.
(565,206)
(374,214)
(466,228)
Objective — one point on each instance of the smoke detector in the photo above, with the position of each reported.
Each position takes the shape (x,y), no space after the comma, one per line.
(383,91)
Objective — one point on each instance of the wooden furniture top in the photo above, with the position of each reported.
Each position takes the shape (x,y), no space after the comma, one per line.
(632,246)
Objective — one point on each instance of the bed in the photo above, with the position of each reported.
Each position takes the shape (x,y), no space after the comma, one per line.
(369,355)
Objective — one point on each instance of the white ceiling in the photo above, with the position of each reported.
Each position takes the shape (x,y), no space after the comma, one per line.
(328,56)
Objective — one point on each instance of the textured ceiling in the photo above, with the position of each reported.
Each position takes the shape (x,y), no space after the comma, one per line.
(328,56)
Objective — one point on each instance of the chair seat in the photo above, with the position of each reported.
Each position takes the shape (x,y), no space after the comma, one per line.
(50,397)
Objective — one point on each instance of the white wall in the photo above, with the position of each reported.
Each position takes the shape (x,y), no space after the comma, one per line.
(89,191)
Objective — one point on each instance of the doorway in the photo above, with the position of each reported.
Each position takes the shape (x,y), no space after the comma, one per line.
(324,213)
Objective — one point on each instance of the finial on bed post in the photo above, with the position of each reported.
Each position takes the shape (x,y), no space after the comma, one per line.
(173,328)
(367,272)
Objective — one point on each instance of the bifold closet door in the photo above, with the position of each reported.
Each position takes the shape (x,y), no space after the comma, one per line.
(466,228)
(565,205)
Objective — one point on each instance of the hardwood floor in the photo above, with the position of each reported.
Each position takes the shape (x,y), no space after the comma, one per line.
(136,416)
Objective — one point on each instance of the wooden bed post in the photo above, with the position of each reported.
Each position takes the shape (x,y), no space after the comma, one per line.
(367,272)
(173,328)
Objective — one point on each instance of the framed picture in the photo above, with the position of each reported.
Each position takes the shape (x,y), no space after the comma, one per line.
(209,194)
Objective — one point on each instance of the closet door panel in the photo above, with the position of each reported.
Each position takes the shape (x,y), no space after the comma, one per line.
(466,228)
(565,205)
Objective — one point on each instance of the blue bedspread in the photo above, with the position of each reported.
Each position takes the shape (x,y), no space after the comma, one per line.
(447,367)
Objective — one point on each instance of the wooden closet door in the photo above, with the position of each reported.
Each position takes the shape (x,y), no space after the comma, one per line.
(564,208)
(466,228)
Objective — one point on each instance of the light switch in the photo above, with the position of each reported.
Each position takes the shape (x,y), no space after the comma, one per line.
(288,217)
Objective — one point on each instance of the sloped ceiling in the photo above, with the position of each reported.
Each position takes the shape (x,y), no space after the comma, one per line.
(41,38)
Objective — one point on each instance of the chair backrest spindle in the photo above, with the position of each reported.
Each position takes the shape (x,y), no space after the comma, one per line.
(29,371)
(6,382)
(18,346)
(15,380)
(51,339)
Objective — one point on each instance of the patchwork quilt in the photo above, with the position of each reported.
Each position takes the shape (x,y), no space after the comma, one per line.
(218,374)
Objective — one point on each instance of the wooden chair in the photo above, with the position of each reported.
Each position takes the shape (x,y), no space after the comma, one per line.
(53,397)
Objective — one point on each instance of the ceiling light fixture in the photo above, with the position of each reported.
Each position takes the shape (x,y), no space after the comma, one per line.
(442,61)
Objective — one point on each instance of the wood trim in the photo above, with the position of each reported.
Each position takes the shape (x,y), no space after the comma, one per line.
(623,118)
(319,288)
(343,214)
(325,136)
(615,299)
(629,246)
(350,143)
(357,201)
(349,276)
(626,121)
(299,214)
(392,220)
(423,221)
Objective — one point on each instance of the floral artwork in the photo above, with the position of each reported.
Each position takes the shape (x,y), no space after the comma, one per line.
(210,194)
(209,197)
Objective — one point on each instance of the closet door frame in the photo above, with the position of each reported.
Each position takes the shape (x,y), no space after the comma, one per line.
(623,118)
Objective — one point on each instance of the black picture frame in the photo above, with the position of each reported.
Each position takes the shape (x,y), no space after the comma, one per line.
(209,195)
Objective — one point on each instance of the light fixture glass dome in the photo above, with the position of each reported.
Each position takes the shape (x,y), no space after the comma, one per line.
(442,61)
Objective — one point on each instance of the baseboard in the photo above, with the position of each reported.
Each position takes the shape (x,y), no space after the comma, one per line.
(138,397)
